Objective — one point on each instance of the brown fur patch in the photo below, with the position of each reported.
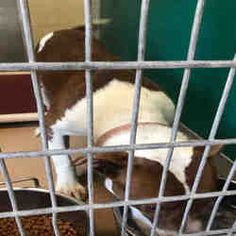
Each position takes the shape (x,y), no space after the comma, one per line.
(208,179)
(145,183)
(214,150)
(64,89)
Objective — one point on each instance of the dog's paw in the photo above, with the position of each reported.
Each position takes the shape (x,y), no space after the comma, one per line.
(75,190)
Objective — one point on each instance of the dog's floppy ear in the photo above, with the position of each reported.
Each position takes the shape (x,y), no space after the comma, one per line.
(214,150)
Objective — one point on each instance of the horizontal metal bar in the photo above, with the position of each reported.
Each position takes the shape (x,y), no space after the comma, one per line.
(86,207)
(118,148)
(122,65)
(219,232)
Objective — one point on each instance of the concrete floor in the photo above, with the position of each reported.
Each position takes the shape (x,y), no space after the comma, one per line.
(14,139)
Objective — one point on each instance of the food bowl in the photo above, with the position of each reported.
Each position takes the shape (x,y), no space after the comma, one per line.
(35,198)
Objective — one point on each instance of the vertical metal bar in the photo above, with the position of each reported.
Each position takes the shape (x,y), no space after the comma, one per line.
(183,90)
(233,230)
(228,180)
(11,195)
(27,35)
(212,135)
(137,93)
(89,97)
(220,198)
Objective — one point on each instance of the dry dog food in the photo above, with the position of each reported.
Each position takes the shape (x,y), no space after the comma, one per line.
(37,226)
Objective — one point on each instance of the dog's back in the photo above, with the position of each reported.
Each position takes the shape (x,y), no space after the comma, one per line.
(113,89)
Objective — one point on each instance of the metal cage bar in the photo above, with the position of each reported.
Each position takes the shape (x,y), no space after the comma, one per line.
(136,102)
(220,198)
(11,195)
(89,97)
(88,65)
(212,135)
(230,80)
(180,104)
(115,204)
(233,230)
(118,148)
(118,65)
(28,40)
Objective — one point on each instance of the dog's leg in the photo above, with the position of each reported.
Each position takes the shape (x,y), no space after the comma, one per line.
(66,177)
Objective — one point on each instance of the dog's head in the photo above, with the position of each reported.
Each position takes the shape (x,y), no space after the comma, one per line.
(145,183)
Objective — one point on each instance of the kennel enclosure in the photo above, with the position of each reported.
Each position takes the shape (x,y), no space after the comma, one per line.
(139,65)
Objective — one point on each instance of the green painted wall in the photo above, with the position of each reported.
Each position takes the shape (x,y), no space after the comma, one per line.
(169,29)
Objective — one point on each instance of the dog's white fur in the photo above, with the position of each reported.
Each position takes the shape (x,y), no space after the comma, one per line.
(112,108)
(44,40)
(113,104)
(155,133)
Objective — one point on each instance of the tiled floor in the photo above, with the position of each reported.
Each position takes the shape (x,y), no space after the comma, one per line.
(14,139)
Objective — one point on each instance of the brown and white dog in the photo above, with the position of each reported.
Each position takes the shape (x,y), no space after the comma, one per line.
(113,90)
